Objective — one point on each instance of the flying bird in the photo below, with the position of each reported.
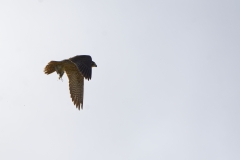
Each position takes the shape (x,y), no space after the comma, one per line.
(77,68)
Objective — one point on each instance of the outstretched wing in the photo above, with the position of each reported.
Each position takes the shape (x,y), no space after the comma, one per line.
(76,83)
(84,65)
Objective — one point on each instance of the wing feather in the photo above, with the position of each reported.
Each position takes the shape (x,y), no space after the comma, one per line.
(84,65)
(76,84)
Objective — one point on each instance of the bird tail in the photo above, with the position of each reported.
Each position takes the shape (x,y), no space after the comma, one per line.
(51,67)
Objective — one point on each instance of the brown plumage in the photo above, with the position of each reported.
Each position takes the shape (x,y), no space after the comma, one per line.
(77,68)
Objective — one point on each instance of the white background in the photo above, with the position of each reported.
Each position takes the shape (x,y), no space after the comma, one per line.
(166,86)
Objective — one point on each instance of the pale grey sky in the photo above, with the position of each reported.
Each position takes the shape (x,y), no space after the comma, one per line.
(166,85)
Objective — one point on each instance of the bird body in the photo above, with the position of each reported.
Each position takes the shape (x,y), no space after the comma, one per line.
(77,68)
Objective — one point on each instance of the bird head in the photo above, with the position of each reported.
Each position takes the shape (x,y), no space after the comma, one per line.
(94,64)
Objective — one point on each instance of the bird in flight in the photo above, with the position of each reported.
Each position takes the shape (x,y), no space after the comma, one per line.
(77,68)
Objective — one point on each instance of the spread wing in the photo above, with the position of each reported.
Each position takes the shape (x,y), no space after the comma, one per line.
(84,65)
(76,83)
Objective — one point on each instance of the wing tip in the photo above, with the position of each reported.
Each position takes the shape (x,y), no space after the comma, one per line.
(79,106)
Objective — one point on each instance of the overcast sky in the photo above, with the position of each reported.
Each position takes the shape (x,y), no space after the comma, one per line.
(167,85)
